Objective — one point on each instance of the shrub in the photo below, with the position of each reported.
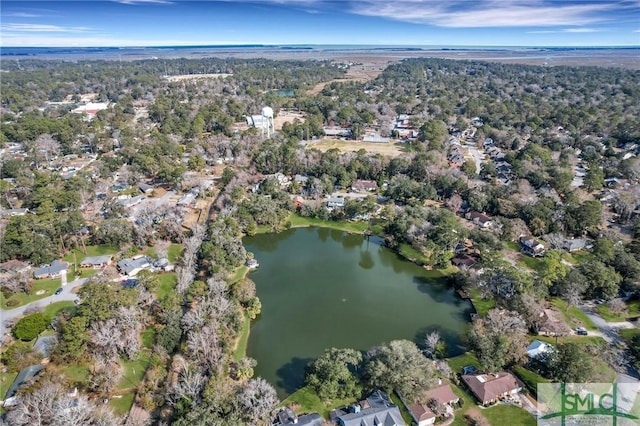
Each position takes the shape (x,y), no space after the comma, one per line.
(29,327)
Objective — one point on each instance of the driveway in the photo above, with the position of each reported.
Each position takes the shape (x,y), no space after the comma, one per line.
(66,294)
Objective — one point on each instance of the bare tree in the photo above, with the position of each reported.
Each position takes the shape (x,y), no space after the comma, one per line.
(138,417)
(431,344)
(257,399)
(15,282)
(203,346)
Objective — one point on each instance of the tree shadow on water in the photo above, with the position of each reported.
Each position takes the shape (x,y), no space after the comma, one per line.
(455,344)
(291,375)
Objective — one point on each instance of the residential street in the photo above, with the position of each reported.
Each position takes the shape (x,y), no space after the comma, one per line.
(10,314)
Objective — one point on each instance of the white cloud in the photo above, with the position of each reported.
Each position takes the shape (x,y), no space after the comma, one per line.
(41,28)
(22,15)
(581,30)
(466,14)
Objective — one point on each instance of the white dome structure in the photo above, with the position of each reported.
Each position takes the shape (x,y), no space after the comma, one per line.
(267,112)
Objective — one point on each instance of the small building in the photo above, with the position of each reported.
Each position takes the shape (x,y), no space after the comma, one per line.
(575,244)
(422,415)
(532,247)
(335,202)
(479,219)
(44,344)
(464,261)
(490,388)
(537,348)
(252,264)
(54,270)
(13,212)
(96,262)
(364,185)
(24,377)
(133,265)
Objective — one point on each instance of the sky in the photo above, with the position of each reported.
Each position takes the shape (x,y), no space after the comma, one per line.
(284,22)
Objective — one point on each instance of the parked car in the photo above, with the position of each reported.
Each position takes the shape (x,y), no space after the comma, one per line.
(58,291)
(581,331)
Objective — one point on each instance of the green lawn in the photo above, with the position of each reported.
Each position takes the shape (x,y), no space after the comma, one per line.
(468,401)
(121,406)
(406,416)
(633,310)
(573,316)
(52,310)
(19,299)
(148,337)
(530,379)
(408,252)
(308,402)
(91,251)
(457,363)
(243,340)
(532,263)
(166,284)
(174,252)
(301,222)
(77,374)
(134,371)
(628,333)
(501,414)
(6,380)
(240,273)
(482,306)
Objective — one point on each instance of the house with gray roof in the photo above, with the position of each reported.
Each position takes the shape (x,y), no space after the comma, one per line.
(376,410)
(54,270)
(286,416)
(44,344)
(96,262)
(133,265)
(24,377)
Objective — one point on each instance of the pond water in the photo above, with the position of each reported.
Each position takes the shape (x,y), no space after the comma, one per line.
(284,92)
(323,288)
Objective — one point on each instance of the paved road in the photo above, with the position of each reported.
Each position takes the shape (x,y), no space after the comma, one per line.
(11,314)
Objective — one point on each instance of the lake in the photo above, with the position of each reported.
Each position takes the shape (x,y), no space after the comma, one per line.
(323,288)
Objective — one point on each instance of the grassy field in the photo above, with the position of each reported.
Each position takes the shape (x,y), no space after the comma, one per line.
(243,340)
(306,401)
(167,282)
(240,273)
(19,299)
(457,363)
(77,374)
(91,251)
(408,252)
(52,310)
(6,379)
(573,316)
(501,414)
(481,305)
(530,378)
(122,404)
(302,222)
(628,333)
(134,371)
(148,337)
(633,310)
(391,149)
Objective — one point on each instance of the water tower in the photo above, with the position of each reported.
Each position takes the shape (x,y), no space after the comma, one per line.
(267,120)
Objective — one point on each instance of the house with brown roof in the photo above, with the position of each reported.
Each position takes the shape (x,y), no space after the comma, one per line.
(364,185)
(14,265)
(479,219)
(490,388)
(422,415)
(550,324)
(532,247)
(445,397)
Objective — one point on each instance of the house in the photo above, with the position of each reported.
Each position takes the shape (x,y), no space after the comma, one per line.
(464,261)
(422,415)
(376,410)
(13,212)
(286,416)
(489,388)
(364,185)
(15,266)
(133,265)
(44,344)
(479,219)
(54,270)
(252,264)
(163,265)
(538,348)
(442,393)
(532,247)
(96,262)
(335,132)
(575,244)
(24,377)
(550,325)
(335,202)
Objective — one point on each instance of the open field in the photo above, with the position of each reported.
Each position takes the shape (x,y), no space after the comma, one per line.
(391,149)
(357,73)
(184,77)
(287,117)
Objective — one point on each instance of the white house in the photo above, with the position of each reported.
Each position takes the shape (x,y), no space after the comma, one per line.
(538,348)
